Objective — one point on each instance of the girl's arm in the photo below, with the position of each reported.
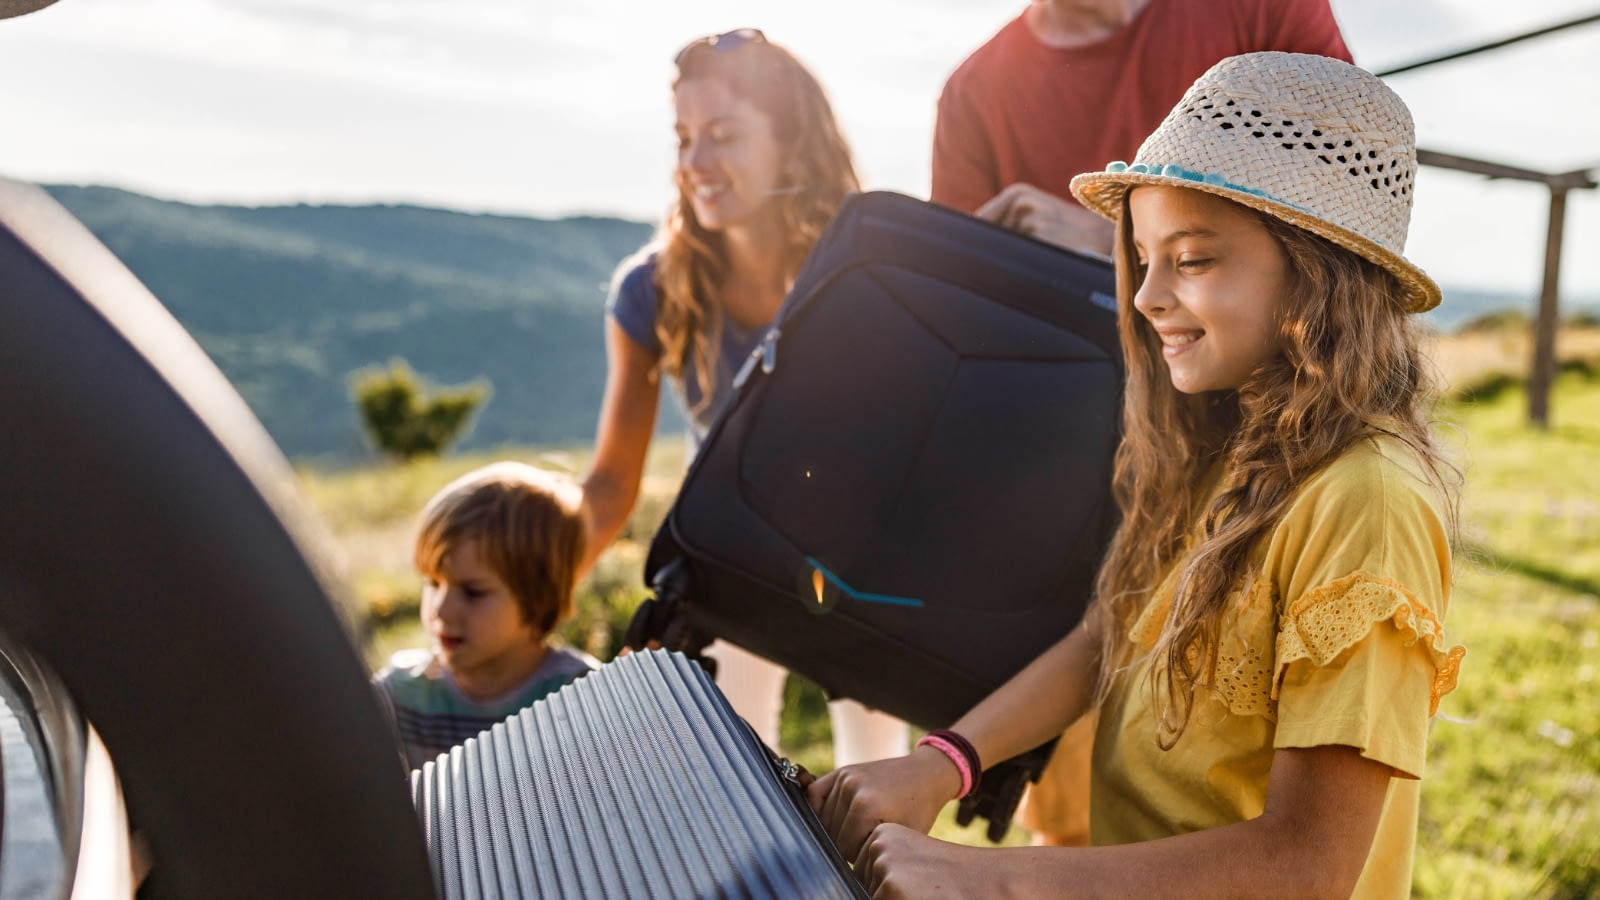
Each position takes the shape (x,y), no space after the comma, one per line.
(1312,840)
(1037,704)
(622,437)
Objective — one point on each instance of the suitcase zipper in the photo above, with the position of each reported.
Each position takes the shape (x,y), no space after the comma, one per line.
(788,770)
(764,353)
(789,774)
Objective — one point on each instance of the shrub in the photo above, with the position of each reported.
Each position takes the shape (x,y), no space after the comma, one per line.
(1494,322)
(1583,318)
(1486,387)
(405,420)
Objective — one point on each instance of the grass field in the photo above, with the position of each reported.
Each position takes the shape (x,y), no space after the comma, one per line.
(1511,802)
(1512,797)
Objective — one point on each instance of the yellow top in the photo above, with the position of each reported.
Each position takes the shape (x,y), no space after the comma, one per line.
(1338,642)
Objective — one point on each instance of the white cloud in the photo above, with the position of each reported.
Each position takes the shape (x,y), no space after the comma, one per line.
(547,108)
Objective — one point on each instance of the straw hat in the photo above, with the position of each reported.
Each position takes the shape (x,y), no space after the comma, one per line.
(1313,141)
(9,8)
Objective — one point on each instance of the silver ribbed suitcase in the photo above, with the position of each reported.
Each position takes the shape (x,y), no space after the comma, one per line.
(637,780)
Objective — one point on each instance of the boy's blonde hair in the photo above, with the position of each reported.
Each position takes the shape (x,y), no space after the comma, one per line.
(529,527)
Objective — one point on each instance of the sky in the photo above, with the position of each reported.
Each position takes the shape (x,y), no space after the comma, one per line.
(542,108)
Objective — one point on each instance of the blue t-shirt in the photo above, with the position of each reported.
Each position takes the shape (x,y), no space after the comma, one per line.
(632,304)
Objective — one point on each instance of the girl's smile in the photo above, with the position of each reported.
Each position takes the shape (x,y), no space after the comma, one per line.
(1174,341)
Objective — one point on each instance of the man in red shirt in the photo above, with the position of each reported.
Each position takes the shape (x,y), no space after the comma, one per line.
(1071,85)
(1067,87)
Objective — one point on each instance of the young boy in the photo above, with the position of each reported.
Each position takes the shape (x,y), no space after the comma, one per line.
(498,550)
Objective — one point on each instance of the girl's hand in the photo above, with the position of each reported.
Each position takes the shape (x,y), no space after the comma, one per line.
(909,790)
(898,862)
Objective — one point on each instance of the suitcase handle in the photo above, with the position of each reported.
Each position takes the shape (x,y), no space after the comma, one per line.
(1001,790)
(659,621)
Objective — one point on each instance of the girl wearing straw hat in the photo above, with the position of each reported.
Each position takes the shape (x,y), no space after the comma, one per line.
(1266,647)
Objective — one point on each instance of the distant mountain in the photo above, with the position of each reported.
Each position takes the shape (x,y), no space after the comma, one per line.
(290,301)
(1462,305)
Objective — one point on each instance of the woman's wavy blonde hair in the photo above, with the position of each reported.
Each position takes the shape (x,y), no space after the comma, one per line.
(1351,367)
(691,262)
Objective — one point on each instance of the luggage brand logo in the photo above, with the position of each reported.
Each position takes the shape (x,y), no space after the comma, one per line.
(820,590)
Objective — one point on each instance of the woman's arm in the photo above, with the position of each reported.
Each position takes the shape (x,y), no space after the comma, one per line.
(1037,704)
(622,437)
(1312,840)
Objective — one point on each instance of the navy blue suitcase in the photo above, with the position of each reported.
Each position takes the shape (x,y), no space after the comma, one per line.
(907,497)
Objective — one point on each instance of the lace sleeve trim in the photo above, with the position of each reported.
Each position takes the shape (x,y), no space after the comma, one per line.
(1331,619)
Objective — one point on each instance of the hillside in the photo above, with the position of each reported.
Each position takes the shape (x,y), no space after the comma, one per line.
(289,301)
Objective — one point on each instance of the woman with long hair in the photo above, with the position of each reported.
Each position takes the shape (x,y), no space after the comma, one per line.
(762,168)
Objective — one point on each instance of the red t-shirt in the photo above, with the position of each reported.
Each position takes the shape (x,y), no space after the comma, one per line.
(1017,110)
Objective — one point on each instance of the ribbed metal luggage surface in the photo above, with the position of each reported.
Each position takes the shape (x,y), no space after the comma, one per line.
(637,780)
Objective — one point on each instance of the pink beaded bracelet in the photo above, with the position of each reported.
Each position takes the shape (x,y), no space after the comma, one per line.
(960,753)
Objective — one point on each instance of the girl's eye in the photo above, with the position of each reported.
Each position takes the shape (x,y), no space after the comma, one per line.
(1194,264)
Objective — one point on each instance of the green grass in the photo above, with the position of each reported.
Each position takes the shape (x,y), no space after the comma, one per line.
(1511,801)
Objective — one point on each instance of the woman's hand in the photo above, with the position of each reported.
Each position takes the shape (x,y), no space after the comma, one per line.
(898,862)
(909,790)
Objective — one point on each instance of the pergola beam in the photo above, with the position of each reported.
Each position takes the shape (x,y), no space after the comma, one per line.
(1576,179)
(1492,45)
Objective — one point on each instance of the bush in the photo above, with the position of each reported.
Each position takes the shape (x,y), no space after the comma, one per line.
(1486,387)
(407,422)
(1583,318)
(1583,368)
(1516,320)
(1494,322)
(605,602)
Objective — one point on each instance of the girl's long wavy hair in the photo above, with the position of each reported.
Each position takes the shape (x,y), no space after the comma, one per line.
(692,262)
(1351,367)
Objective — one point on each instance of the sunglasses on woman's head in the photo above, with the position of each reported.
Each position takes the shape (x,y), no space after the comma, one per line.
(726,42)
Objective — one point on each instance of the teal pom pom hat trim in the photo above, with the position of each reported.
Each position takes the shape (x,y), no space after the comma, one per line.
(1313,141)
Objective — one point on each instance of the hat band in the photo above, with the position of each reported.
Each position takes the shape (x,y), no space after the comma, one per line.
(1173,170)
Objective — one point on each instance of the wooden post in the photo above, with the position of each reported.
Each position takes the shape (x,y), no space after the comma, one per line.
(1542,369)
(1542,372)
